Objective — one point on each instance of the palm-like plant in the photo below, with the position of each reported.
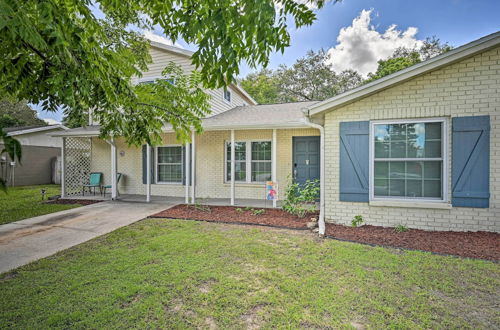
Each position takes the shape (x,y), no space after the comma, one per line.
(12,148)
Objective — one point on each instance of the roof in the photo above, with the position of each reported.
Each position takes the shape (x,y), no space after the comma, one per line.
(13,131)
(84,131)
(188,53)
(283,115)
(264,116)
(455,55)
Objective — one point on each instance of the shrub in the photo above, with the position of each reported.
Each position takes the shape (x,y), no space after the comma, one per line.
(357,220)
(401,228)
(258,211)
(301,199)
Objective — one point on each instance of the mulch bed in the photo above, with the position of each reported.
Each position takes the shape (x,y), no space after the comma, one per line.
(230,214)
(73,201)
(483,245)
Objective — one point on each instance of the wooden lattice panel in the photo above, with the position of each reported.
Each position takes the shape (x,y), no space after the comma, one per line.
(77,158)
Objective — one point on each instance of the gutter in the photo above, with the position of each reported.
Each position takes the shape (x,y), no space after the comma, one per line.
(321,220)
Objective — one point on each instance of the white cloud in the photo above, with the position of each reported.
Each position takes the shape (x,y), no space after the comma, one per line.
(360,45)
(51,121)
(150,35)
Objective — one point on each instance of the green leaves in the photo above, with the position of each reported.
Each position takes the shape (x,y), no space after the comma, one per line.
(11,148)
(57,53)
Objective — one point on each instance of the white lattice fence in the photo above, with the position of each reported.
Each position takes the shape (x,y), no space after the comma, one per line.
(77,154)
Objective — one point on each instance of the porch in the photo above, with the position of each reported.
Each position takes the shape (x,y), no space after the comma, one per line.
(242,202)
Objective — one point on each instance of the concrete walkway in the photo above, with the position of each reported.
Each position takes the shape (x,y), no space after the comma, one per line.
(28,240)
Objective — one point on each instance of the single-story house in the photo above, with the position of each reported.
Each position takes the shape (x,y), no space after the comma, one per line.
(420,147)
(40,151)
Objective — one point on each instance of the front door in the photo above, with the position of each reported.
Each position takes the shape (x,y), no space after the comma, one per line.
(305,158)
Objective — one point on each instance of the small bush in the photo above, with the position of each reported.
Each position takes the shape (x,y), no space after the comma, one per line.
(401,228)
(357,221)
(239,210)
(301,199)
(258,211)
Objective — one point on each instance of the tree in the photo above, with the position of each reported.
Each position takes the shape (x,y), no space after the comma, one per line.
(74,119)
(310,78)
(263,86)
(18,114)
(12,148)
(59,53)
(405,57)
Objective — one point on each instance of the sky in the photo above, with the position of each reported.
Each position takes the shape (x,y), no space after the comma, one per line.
(357,33)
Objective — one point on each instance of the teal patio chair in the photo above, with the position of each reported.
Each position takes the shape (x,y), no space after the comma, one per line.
(104,188)
(94,182)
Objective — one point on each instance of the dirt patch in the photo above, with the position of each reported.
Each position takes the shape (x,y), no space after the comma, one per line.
(252,319)
(74,201)
(230,214)
(483,245)
(206,286)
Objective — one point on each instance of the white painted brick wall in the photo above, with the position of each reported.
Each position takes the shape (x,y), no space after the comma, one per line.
(467,88)
(209,164)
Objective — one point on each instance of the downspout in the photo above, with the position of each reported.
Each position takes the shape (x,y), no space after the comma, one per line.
(321,220)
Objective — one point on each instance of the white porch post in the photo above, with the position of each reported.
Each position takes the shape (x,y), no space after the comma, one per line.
(274,161)
(186,167)
(193,166)
(114,190)
(63,168)
(148,173)
(232,166)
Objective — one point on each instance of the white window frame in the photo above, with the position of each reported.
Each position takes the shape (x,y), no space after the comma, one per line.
(154,79)
(248,160)
(230,95)
(157,164)
(444,159)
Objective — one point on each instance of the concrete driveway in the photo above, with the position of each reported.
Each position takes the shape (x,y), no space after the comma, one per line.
(31,239)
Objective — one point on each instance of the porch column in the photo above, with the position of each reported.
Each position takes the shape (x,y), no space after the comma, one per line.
(193,166)
(148,173)
(273,161)
(114,190)
(186,166)
(232,166)
(63,168)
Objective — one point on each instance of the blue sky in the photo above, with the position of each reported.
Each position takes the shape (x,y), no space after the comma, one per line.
(366,22)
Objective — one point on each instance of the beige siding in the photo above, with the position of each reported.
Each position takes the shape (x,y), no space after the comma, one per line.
(162,58)
(470,87)
(209,164)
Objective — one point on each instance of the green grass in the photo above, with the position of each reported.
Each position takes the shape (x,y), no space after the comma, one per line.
(26,202)
(184,274)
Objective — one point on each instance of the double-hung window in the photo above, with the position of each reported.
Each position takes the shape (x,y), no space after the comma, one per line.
(252,161)
(169,164)
(408,160)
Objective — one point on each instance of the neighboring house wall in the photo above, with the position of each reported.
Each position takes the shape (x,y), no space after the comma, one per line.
(466,88)
(209,164)
(36,165)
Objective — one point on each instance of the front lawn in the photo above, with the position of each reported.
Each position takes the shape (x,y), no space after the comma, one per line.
(26,202)
(183,274)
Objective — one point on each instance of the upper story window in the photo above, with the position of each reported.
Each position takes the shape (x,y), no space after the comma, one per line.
(407,160)
(227,95)
(152,81)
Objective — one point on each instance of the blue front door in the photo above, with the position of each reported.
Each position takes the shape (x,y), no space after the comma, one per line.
(306,165)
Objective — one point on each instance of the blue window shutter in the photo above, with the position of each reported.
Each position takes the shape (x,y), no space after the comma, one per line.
(153,170)
(471,161)
(354,161)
